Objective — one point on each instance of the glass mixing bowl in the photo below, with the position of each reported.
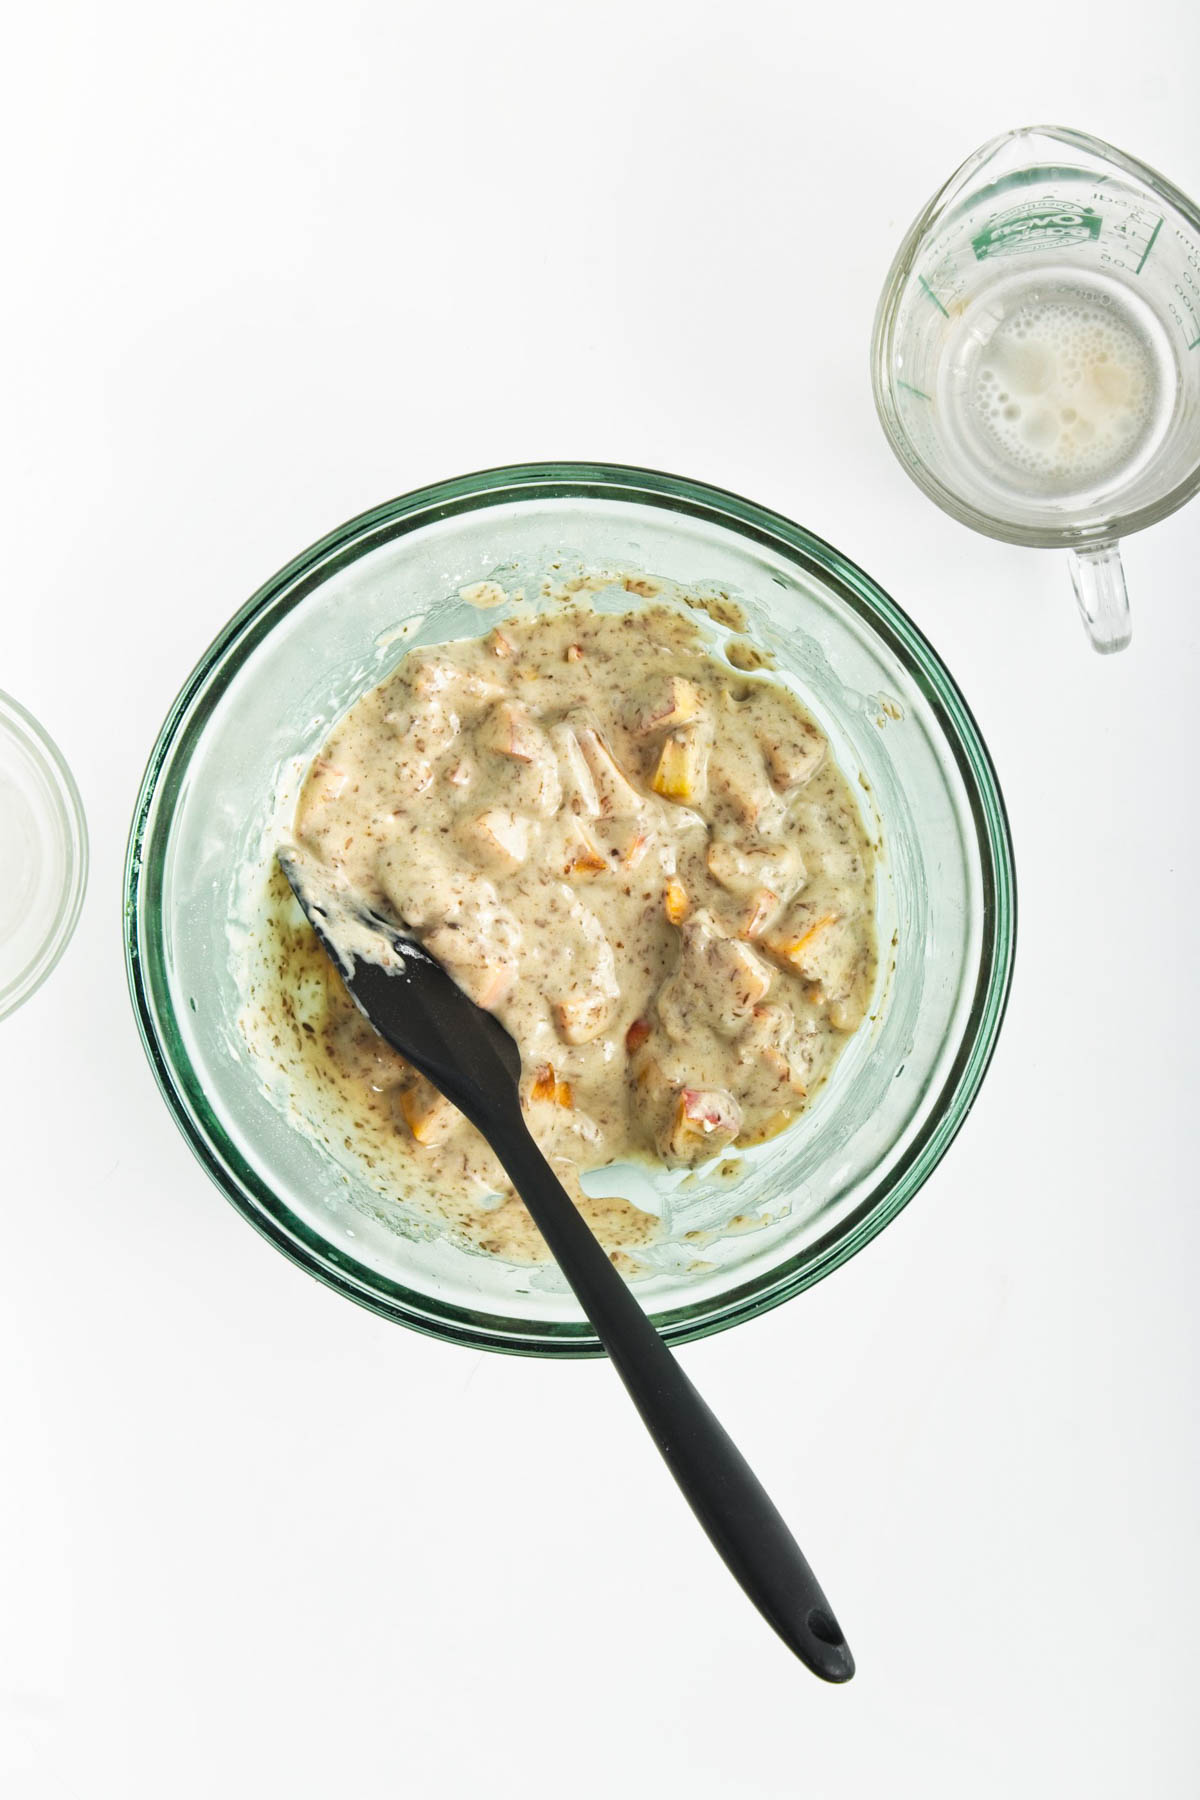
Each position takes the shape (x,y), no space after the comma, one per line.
(326,628)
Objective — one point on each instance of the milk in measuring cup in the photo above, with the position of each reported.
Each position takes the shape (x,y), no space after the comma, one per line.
(1058,386)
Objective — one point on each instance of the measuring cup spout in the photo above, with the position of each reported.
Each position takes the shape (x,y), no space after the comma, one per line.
(1099,582)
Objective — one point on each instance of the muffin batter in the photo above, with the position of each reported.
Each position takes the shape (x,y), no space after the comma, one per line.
(642,859)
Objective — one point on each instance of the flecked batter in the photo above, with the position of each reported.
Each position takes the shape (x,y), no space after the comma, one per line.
(643,859)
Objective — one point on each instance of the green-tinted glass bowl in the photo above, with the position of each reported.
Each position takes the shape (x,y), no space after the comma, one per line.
(320,632)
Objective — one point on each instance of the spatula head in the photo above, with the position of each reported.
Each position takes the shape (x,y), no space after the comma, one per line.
(407,995)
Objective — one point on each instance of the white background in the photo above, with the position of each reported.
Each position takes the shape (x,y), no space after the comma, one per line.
(267,265)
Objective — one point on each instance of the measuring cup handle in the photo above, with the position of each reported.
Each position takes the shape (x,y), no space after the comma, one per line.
(1099,582)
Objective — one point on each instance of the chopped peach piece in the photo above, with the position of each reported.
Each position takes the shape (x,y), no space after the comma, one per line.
(795,947)
(498,836)
(427,1113)
(637,1034)
(710,1109)
(574,653)
(491,988)
(718,982)
(582,1017)
(746,871)
(587,860)
(677,776)
(484,972)
(704,1121)
(793,756)
(669,701)
(848,1011)
(770,1043)
(547,1086)
(636,848)
(617,796)
(720,962)
(675,901)
(782,1070)
(431,678)
(578,785)
(542,1087)
(656,1096)
(583,855)
(767,1023)
(510,730)
(737,787)
(759,910)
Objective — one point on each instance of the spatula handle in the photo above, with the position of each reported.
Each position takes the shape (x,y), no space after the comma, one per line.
(721,1488)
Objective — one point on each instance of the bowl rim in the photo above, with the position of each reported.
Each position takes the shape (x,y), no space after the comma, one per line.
(346,543)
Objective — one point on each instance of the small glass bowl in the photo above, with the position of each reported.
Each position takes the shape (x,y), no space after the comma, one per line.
(326,628)
(43,855)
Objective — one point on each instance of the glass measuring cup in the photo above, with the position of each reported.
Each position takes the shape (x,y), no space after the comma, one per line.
(1036,354)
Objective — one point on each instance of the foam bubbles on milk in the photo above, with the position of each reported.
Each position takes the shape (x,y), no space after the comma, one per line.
(1064,389)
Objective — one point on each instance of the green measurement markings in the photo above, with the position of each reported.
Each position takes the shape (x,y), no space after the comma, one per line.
(1149,248)
(933,296)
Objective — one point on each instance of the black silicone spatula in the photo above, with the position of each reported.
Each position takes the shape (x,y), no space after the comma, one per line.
(412,1002)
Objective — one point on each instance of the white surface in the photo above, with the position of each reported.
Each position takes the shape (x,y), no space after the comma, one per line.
(269,265)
